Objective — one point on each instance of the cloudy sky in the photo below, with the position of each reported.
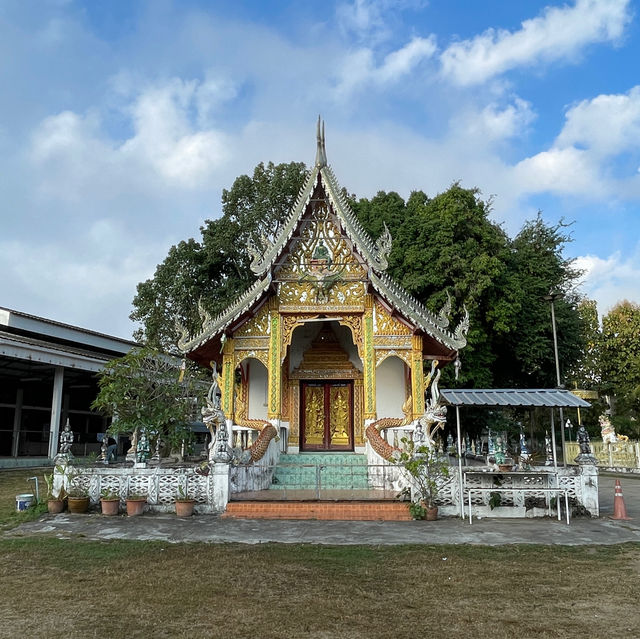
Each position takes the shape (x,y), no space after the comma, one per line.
(122,121)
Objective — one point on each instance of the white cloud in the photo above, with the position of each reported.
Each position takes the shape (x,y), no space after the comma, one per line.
(558,33)
(359,68)
(370,19)
(495,122)
(606,124)
(610,280)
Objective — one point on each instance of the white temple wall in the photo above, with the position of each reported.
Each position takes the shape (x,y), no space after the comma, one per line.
(390,388)
(258,384)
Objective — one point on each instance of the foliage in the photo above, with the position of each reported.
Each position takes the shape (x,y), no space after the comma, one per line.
(143,391)
(495,499)
(215,270)
(109,495)
(621,357)
(417,510)
(426,468)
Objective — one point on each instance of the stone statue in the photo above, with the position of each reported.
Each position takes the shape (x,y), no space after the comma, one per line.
(143,449)
(223,452)
(212,414)
(491,444)
(450,447)
(467,444)
(500,451)
(548,449)
(524,449)
(66,440)
(418,435)
(583,441)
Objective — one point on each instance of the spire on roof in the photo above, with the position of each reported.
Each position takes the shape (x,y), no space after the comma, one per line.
(321,153)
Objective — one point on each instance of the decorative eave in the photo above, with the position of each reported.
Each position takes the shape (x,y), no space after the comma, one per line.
(211,327)
(419,315)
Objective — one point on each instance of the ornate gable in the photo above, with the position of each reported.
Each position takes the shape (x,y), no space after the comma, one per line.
(324,262)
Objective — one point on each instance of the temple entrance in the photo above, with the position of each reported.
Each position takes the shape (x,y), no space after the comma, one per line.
(326,415)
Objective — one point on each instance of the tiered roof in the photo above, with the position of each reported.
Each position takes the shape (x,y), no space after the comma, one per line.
(374,255)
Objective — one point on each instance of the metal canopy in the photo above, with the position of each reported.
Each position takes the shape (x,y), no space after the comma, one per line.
(551,397)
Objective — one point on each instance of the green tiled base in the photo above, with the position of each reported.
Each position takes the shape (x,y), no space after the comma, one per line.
(341,471)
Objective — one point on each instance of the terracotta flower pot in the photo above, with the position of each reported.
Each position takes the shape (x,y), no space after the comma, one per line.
(78,504)
(110,507)
(184,507)
(135,507)
(55,506)
(432,513)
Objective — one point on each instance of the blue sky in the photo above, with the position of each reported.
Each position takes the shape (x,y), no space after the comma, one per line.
(121,122)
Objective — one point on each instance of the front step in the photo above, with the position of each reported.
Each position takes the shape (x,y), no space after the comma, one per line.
(325,510)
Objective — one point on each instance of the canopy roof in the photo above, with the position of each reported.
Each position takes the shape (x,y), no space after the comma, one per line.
(551,397)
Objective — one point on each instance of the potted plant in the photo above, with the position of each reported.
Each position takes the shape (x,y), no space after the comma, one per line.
(425,468)
(184,504)
(55,502)
(77,499)
(109,502)
(135,504)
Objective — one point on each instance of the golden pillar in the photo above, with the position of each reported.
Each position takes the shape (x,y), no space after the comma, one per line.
(228,379)
(369,361)
(417,376)
(275,365)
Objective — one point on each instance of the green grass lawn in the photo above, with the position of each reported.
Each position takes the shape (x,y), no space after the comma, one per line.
(73,587)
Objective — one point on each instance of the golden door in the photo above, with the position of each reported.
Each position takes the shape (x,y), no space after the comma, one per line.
(326,416)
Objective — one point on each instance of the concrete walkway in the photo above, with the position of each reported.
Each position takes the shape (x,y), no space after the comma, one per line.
(490,532)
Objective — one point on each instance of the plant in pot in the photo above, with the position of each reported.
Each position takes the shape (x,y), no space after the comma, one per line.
(55,499)
(426,468)
(184,504)
(135,504)
(109,502)
(77,498)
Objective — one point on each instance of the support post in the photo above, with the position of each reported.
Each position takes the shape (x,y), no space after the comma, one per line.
(56,411)
(553,443)
(369,361)
(17,421)
(460,477)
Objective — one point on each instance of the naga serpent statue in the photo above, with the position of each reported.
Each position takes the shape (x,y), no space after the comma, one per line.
(434,418)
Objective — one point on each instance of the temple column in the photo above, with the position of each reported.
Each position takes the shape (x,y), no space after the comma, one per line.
(275,362)
(417,376)
(227,379)
(369,361)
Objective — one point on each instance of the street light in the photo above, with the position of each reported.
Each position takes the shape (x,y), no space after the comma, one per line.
(551,298)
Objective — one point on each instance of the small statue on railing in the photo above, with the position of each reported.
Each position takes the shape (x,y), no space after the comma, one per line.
(143,450)
(585,456)
(467,445)
(525,454)
(418,435)
(223,452)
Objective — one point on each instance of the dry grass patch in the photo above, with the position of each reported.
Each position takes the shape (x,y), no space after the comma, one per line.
(77,588)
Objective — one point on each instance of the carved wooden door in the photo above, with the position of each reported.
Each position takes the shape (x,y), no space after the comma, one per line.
(327,416)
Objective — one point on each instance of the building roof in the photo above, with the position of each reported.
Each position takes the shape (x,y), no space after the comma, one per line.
(374,255)
(551,397)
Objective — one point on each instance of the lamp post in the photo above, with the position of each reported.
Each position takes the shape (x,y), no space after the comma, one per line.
(551,298)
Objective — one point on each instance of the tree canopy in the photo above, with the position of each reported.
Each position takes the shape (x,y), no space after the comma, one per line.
(442,244)
(215,269)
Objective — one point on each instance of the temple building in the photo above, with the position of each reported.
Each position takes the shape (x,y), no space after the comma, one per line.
(325,346)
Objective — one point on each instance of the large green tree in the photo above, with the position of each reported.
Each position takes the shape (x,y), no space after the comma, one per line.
(620,359)
(215,270)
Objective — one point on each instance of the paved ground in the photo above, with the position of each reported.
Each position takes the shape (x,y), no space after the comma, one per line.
(492,532)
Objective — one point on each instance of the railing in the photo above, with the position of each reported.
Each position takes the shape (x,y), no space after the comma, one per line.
(618,455)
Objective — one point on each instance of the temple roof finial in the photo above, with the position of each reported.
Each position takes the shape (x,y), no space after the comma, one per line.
(321,153)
